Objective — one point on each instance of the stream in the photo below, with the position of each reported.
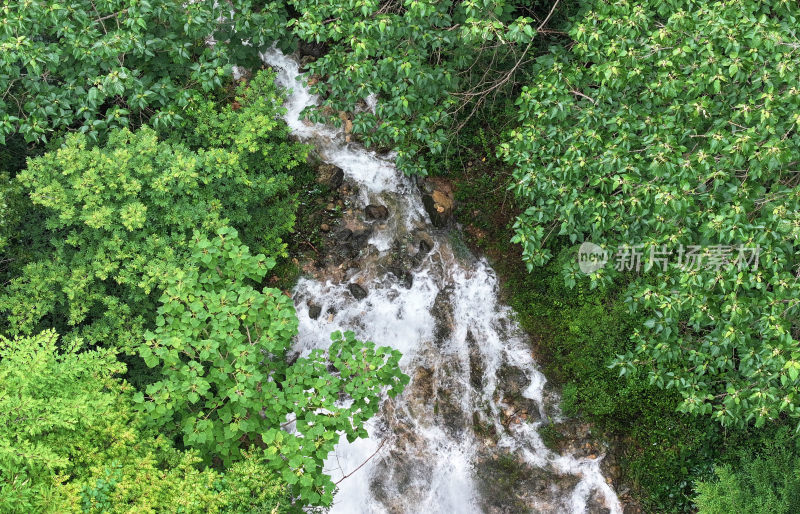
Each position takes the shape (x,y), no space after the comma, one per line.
(463,435)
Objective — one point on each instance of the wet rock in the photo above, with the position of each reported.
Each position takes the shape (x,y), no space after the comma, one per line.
(611,468)
(357,291)
(579,442)
(343,234)
(439,200)
(595,505)
(483,426)
(330,175)
(443,315)
(511,379)
(376,212)
(314,310)
(425,242)
(306,60)
(476,367)
(425,247)
(448,407)
(510,485)
(404,481)
(347,243)
(360,238)
(631,508)
(292,357)
(403,275)
(511,383)
(423,382)
(405,278)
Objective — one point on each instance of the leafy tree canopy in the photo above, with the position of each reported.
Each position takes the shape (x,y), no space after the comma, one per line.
(673,123)
(70,441)
(763,482)
(98,65)
(428,62)
(221,348)
(118,218)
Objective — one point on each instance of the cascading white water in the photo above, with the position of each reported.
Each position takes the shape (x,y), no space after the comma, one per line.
(436,447)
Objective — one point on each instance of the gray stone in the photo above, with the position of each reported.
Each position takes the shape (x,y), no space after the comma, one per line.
(360,238)
(314,310)
(344,234)
(357,291)
(425,243)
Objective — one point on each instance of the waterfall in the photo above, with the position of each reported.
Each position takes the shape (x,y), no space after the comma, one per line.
(463,435)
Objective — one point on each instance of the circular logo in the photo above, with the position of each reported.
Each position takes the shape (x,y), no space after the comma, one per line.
(591,257)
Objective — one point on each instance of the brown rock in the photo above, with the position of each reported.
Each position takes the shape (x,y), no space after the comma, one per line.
(425,242)
(376,212)
(330,175)
(346,121)
(439,200)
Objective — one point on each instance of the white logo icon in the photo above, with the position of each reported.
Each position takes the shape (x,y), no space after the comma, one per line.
(591,257)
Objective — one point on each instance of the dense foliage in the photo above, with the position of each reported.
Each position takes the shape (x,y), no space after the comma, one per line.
(427,63)
(118,218)
(145,200)
(9,195)
(71,442)
(659,452)
(222,348)
(765,482)
(137,147)
(98,65)
(669,126)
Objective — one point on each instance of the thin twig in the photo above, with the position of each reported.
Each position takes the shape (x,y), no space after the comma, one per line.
(576,92)
(363,463)
(552,10)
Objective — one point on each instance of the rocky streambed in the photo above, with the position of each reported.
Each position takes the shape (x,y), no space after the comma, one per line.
(465,435)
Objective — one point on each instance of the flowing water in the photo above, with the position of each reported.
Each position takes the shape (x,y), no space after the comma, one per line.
(463,435)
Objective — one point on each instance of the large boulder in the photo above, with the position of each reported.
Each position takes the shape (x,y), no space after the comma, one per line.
(376,212)
(438,199)
(330,175)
